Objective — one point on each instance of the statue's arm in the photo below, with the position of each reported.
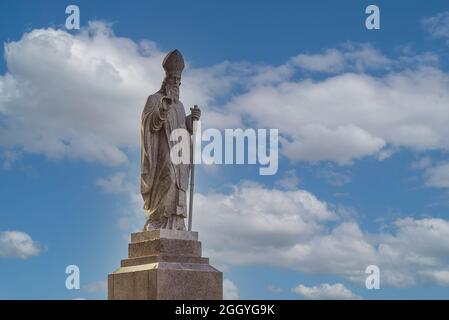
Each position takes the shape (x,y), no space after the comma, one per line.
(157,119)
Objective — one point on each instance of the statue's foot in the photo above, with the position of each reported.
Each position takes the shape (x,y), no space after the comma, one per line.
(180,224)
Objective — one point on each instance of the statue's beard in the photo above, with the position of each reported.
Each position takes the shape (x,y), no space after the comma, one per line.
(173,93)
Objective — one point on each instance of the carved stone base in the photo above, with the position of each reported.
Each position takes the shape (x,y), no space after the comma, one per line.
(165,264)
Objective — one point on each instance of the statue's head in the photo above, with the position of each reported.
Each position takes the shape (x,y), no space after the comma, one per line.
(173,65)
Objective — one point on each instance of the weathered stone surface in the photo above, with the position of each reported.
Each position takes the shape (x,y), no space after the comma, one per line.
(165,268)
(110,287)
(163,182)
(166,281)
(122,286)
(169,246)
(164,234)
(165,262)
(163,258)
(190,283)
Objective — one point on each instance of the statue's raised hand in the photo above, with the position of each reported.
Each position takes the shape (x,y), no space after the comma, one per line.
(166,103)
(196,113)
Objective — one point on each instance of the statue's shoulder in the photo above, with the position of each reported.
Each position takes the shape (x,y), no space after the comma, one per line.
(152,102)
(153,99)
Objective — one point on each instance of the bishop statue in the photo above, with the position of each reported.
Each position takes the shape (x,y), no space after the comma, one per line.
(164,184)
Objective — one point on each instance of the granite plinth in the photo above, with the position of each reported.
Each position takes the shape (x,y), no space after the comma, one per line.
(165,264)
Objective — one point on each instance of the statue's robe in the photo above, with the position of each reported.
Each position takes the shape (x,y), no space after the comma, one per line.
(163,184)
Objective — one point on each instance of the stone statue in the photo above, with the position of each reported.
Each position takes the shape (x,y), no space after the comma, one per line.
(165,260)
(163,184)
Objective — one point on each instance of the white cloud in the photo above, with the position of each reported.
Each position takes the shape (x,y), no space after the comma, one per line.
(132,217)
(97,286)
(114,184)
(422,163)
(439,277)
(18,244)
(438,175)
(9,157)
(438,25)
(355,142)
(230,290)
(334,177)
(274,289)
(295,230)
(385,153)
(253,217)
(75,96)
(80,96)
(330,61)
(349,116)
(263,75)
(355,57)
(326,291)
(289,181)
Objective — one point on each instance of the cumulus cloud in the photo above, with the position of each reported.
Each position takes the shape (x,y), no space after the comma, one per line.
(438,175)
(355,57)
(114,184)
(438,25)
(354,140)
(326,291)
(290,180)
(334,177)
(18,244)
(258,217)
(132,213)
(230,290)
(293,229)
(274,289)
(80,96)
(74,96)
(351,115)
(435,174)
(422,163)
(441,277)
(331,60)
(9,157)
(97,286)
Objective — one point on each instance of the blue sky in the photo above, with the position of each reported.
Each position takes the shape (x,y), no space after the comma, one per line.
(363,174)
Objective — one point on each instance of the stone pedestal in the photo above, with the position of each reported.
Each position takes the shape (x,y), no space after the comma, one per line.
(165,264)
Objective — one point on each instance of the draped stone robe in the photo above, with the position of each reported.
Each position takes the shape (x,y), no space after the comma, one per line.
(163,184)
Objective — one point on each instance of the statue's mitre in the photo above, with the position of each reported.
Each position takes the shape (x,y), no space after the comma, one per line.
(173,63)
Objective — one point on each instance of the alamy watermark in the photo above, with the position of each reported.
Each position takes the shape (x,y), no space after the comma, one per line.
(236,146)
(372,22)
(373,280)
(73,20)
(72,282)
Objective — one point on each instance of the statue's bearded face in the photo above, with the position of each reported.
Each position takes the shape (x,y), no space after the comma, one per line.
(172,87)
